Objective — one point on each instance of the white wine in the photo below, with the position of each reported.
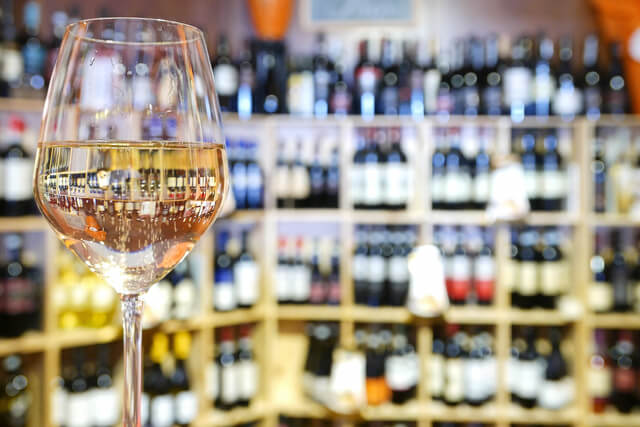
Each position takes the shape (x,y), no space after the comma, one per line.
(130,210)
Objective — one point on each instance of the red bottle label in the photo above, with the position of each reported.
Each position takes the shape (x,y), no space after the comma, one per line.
(624,380)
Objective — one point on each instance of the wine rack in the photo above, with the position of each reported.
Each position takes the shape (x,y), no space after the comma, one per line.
(279,337)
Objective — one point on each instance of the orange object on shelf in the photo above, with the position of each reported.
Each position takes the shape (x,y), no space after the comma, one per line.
(271,17)
(618,20)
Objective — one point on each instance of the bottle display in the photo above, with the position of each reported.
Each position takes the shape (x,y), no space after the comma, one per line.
(379,264)
(236,269)
(16,397)
(247,177)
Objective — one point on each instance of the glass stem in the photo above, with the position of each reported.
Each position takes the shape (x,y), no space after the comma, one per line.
(132,336)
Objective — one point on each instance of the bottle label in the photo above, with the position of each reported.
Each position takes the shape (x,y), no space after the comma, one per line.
(162,411)
(245,276)
(12,65)
(106,407)
(58,406)
(568,101)
(300,94)
(301,283)
(431,84)
(544,86)
(212,381)
(397,183)
(228,384)
(438,188)
(224,296)
(283,182)
(20,296)
(556,394)
(358,183)
(367,78)
(517,85)
(554,184)
(79,410)
(530,379)
(554,277)
(185,297)
(528,284)
(475,388)
(624,380)
(376,269)
(401,371)
(373,184)
(531,185)
(283,282)
(481,187)
(513,375)
(248,379)
(457,187)
(454,389)
(398,269)
(145,409)
(17,179)
(490,377)
(300,183)
(436,374)
(600,297)
(186,407)
(460,268)
(599,381)
(484,268)
(360,267)
(225,77)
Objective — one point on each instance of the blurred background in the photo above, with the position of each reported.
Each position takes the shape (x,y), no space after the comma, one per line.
(503,133)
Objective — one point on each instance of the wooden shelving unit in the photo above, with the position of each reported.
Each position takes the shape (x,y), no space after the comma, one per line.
(279,328)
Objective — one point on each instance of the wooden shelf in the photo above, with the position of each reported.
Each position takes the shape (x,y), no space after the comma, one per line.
(236,416)
(21,105)
(472,315)
(489,412)
(31,342)
(517,414)
(303,408)
(615,320)
(388,412)
(307,215)
(538,317)
(235,317)
(85,337)
(613,220)
(614,419)
(310,312)
(380,314)
(447,217)
(22,224)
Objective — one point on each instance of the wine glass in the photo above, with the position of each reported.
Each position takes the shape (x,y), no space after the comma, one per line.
(131,167)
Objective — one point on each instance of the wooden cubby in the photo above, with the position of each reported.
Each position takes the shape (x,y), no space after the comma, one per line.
(279,338)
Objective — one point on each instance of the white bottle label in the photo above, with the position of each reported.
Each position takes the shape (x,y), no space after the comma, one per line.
(79,410)
(225,77)
(212,381)
(529,380)
(246,279)
(357,183)
(248,379)
(300,182)
(12,65)
(186,407)
(554,184)
(431,85)
(517,85)
(397,183)
(460,267)
(401,372)
(475,388)
(600,297)
(283,282)
(483,268)
(18,174)
(438,188)
(59,403)
(528,284)
(567,101)
(513,374)
(283,182)
(454,389)
(106,407)
(599,382)
(457,187)
(556,394)
(301,283)
(376,270)
(481,188)
(531,184)
(162,411)
(398,269)
(436,374)
(360,268)
(554,277)
(185,298)
(224,296)
(228,384)
(145,409)
(544,86)
(373,184)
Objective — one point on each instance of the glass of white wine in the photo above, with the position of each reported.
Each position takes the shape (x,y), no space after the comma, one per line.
(131,168)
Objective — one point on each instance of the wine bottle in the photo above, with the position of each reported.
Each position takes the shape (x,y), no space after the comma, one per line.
(601,290)
(255,178)
(599,377)
(517,80)
(357,178)
(438,171)
(185,400)
(300,179)
(374,172)
(557,388)
(367,76)
(618,274)
(332,177)
(341,99)
(544,82)
(324,77)
(185,292)
(228,372)
(33,54)
(554,179)
(528,269)
(568,98)
(401,367)
(161,408)
(592,78)
(247,369)
(437,369)
(481,174)
(105,399)
(458,184)
(600,176)
(360,266)
(388,100)
(12,63)
(398,266)
(484,273)
(301,272)
(246,275)
(79,408)
(316,171)
(284,277)
(624,373)
(460,284)
(554,270)
(16,394)
(224,298)
(334,291)
(529,370)
(410,77)
(376,268)
(456,76)
(529,160)
(616,96)
(225,75)
(18,171)
(491,79)
(474,64)
(246,102)
(377,388)
(431,79)
(454,368)
(445,104)
(397,190)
